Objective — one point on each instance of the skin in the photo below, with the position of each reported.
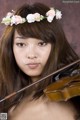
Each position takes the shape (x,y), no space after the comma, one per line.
(31,55)
(42,109)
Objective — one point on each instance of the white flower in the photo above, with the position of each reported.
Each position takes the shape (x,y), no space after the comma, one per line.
(50,18)
(37,17)
(30,18)
(51,12)
(9,14)
(50,15)
(6,20)
(58,14)
(17,20)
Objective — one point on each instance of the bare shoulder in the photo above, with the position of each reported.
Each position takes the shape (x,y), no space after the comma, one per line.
(41,109)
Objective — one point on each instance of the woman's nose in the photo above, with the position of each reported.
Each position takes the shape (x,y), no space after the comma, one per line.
(32,56)
(31,53)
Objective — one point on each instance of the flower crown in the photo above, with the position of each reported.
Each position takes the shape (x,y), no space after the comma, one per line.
(12,19)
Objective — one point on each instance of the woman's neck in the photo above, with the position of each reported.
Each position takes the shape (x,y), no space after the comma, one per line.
(34,79)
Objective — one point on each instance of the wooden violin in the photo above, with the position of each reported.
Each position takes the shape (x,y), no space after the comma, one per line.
(64,89)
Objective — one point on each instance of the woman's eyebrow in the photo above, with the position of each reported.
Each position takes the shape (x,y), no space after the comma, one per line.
(19,37)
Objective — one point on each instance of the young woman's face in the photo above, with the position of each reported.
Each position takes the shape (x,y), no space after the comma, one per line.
(31,54)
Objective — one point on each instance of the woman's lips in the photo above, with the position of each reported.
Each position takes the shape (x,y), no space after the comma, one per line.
(33,65)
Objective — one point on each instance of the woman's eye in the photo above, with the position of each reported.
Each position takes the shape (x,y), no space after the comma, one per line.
(20,44)
(42,43)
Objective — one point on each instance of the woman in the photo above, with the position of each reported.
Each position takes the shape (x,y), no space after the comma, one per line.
(33,46)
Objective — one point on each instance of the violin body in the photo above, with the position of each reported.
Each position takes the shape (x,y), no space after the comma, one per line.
(64,89)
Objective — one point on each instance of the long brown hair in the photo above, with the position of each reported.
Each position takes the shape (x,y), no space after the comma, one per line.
(11,77)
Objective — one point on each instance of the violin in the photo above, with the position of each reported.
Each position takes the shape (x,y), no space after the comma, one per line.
(64,89)
(61,90)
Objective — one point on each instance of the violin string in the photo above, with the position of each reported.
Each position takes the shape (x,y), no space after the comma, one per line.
(22,89)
